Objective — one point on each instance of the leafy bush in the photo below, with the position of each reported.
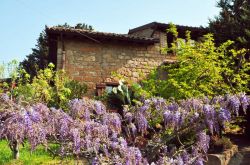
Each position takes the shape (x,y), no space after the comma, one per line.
(8,75)
(78,90)
(51,87)
(201,69)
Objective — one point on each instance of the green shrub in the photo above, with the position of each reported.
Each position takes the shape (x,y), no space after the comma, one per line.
(51,87)
(77,89)
(201,69)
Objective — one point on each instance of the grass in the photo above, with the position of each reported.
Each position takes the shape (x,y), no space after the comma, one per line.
(37,157)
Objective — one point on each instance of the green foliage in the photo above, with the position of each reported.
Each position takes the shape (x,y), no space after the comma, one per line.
(39,156)
(78,26)
(172,30)
(79,89)
(38,59)
(122,93)
(118,97)
(9,70)
(2,69)
(138,92)
(8,75)
(13,69)
(201,69)
(232,23)
(49,86)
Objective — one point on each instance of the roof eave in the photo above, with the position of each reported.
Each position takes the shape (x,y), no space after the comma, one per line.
(101,36)
(163,27)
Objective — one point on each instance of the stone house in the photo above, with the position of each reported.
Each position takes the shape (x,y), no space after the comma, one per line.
(92,57)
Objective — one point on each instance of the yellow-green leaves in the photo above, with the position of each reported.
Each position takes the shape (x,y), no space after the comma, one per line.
(201,69)
(51,87)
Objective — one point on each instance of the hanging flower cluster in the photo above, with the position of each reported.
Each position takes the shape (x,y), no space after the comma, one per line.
(144,134)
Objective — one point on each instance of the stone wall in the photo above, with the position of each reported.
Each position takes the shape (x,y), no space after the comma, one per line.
(94,63)
(149,32)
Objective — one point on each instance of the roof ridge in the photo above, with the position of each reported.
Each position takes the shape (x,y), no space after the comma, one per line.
(161,25)
(85,30)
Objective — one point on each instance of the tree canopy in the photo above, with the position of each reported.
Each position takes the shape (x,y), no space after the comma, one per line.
(233,22)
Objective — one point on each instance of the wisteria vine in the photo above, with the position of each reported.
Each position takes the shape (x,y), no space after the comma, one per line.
(151,132)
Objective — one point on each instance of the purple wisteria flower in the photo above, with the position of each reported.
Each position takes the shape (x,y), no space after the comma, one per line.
(113,121)
(192,104)
(194,117)
(224,116)
(177,119)
(133,128)
(185,157)
(129,117)
(199,162)
(203,141)
(234,104)
(88,130)
(4,97)
(209,113)
(167,116)
(42,109)
(173,106)
(141,122)
(80,109)
(123,142)
(95,161)
(146,104)
(179,160)
(144,108)
(245,101)
(138,155)
(105,149)
(77,140)
(114,145)
(158,102)
(100,109)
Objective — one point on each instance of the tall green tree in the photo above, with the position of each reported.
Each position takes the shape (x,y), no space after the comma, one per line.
(232,23)
(38,59)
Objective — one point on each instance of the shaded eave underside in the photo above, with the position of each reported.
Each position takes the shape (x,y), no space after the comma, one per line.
(93,35)
(198,31)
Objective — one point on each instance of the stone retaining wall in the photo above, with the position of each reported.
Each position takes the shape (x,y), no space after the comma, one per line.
(223,158)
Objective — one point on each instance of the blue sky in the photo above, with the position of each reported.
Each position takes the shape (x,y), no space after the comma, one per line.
(23,20)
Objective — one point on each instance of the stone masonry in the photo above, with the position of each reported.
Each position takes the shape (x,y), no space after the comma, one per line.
(92,57)
(94,63)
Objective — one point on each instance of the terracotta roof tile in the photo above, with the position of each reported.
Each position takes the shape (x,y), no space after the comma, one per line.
(197,31)
(97,35)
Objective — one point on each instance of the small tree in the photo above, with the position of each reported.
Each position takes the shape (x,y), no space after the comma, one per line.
(201,69)
(233,22)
